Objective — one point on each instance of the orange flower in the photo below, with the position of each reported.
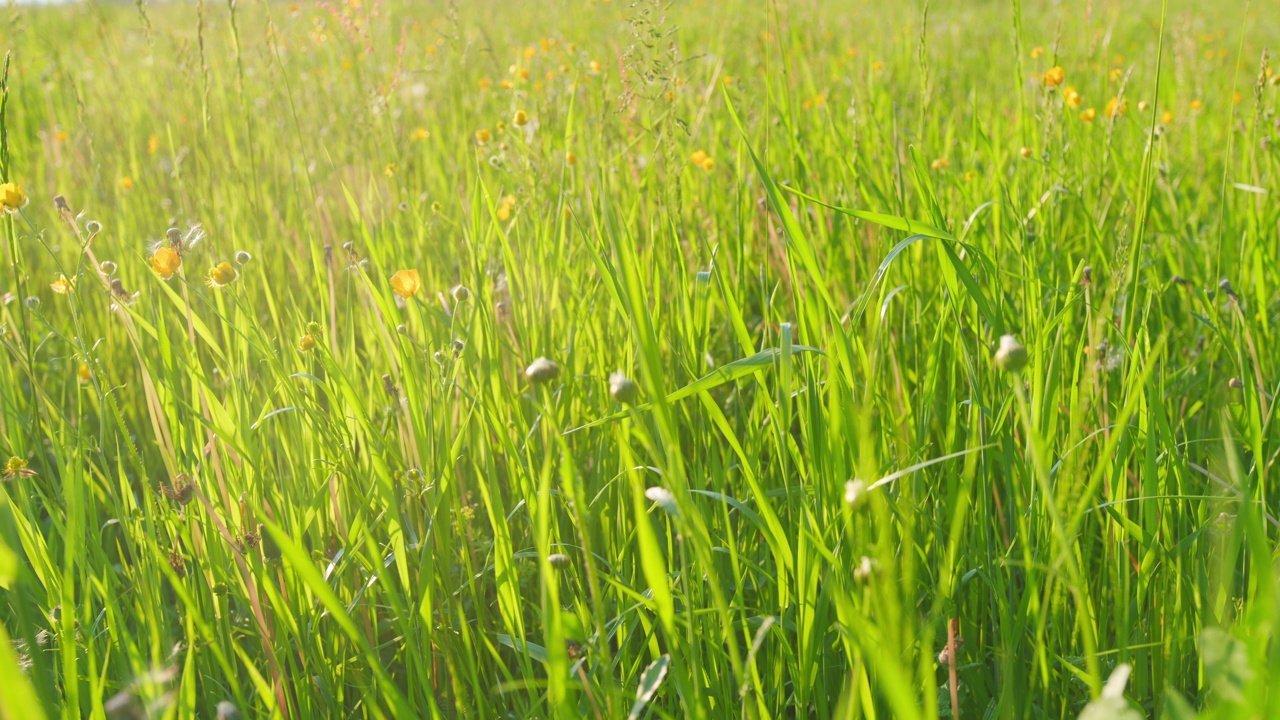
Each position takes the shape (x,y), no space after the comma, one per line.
(406,283)
(1054,76)
(165,262)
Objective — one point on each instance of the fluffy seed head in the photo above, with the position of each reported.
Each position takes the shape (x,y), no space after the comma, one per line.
(1011,356)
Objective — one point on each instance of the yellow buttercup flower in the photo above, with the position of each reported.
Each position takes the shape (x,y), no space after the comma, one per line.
(84,374)
(1054,76)
(406,283)
(521,119)
(420,134)
(153,144)
(698,156)
(485,83)
(62,285)
(940,164)
(570,158)
(1089,115)
(1036,52)
(1072,98)
(504,210)
(1196,104)
(12,197)
(165,262)
(126,183)
(221,275)
(593,67)
(1166,117)
(483,136)
(1115,107)
(306,343)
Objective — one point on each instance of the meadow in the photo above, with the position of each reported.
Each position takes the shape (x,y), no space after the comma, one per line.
(804,359)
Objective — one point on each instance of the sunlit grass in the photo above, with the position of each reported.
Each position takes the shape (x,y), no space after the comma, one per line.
(386,359)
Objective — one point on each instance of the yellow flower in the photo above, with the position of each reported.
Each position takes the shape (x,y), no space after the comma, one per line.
(1054,76)
(166,261)
(306,343)
(1036,52)
(1115,107)
(940,164)
(504,210)
(221,275)
(85,374)
(851,52)
(389,170)
(506,85)
(698,157)
(877,66)
(12,197)
(529,52)
(126,183)
(420,134)
(1143,106)
(485,83)
(1025,152)
(1117,73)
(970,176)
(570,158)
(708,163)
(1236,98)
(727,80)
(406,283)
(61,136)
(593,67)
(483,136)
(153,144)
(521,119)
(1166,117)
(1089,115)
(62,285)
(524,73)
(1072,98)
(1196,104)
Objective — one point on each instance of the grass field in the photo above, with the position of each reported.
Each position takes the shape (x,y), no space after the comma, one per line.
(592,359)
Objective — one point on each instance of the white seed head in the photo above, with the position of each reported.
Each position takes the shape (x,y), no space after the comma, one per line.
(855,494)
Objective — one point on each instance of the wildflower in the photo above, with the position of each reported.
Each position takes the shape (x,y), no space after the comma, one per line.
(521,119)
(623,389)
(406,283)
(1115,107)
(877,66)
(419,134)
(524,73)
(1166,117)
(940,164)
(1116,74)
(1025,152)
(728,80)
(708,163)
(541,370)
(506,84)
(1143,106)
(62,285)
(389,170)
(855,494)
(1036,52)
(181,490)
(485,83)
(570,158)
(851,52)
(1011,356)
(242,257)
(153,144)
(970,176)
(84,374)
(698,156)
(593,67)
(221,275)
(12,197)
(1088,115)
(16,468)
(483,136)
(1054,76)
(165,262)
(1196,105)
(1236,98)
(504,210)
(61,136)
(1072,98)
(126,183)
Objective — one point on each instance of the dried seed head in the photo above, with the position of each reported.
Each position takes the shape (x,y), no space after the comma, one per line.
(1011,356)
(93,227)
(1225,286)
(389,387)
(542,370)
(173,235)
(1086,275)
(559,560)
(1235,383)
(458,347)
(623,389)
(60,202)
(227,711)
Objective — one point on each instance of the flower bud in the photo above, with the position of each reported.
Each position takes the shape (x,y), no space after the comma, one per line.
(1011,356)
(542,370)
(855,494)
(93,227)
(242,257)
(559,560)
(623,389)
(107,267)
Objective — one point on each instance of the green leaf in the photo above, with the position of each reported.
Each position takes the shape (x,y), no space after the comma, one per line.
(1226,663)
(650,680)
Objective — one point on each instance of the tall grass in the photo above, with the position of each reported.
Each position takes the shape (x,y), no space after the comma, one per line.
(801,230)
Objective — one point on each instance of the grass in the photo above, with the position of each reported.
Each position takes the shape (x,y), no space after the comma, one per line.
(801,230)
